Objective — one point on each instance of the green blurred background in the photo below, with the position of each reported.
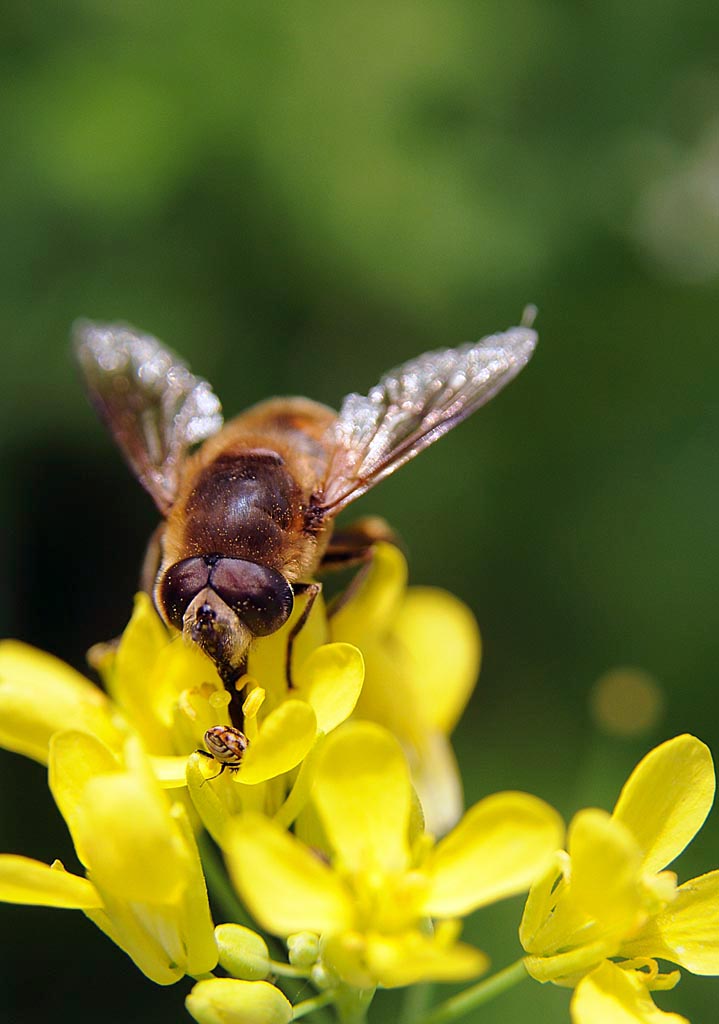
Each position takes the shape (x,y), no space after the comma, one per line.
(298,196)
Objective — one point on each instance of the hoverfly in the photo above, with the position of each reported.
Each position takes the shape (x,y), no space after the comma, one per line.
(249,515)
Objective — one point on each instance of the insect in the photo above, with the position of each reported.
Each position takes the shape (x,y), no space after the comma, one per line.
(226,745)
(249,515)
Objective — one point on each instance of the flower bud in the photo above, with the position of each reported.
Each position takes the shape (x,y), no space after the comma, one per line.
(228,1001)
(303,948)
(243,953)
(322,977)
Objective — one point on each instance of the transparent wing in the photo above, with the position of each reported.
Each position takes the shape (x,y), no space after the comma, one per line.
(154,406)
(414,405)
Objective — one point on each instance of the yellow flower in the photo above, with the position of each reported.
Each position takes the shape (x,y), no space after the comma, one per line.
(172,694)
(144,887)
(422,654)
(327,685)
(169,693)
(609,896)
(421,649)
(372,899)
(612,995)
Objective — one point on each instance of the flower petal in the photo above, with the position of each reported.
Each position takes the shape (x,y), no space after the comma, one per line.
(143,639)
(150,671)
(499,847)
(165,939)
(41,695)
(573,923)
(197,709)
(567,968)
(410,957)
(268,654)
(364,796)
(437,782)
(136,847)
(170,772)
(388,693)
(285,737)
(180,667)
(371,604)
(75,759)
(667,797)
(344,955)
(286,887)
(208,802)
(229,1001)
(610,995)
(541,902)
(686,932)
(330,680)
(132,849)
(299,795)
(27,881)
(195,920)
(119,819)
(441,635)
(128,931)
(606,871)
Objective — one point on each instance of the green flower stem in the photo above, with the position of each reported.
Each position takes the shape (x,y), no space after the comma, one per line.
(315,1003)
(477,995)
(289,970)
(415,1003)
(352,1004)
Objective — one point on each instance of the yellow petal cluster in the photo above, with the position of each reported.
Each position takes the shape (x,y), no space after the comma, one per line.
(328,823)
(117,761)
(172,694)
(144,886)
(380,883)
(609,895)
(611,994)
(169,694)
(422,653)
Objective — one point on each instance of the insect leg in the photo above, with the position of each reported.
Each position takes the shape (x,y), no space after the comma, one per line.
(312,590)
(357,543)
(213,777)
(355,583)
(353,544)
(222,767)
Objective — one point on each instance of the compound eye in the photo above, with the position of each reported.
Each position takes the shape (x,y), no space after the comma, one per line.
(258,595)
(179,585)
